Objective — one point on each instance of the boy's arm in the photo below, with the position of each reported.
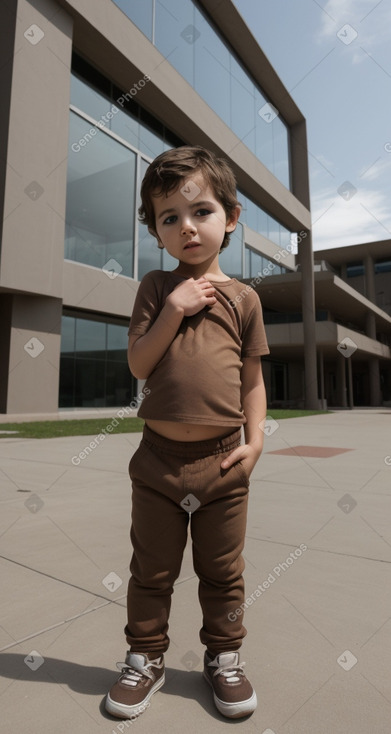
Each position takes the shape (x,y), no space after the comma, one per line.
(189,297)
(253,397)
(144,352)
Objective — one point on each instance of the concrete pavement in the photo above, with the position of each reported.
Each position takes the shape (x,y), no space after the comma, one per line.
(318,571)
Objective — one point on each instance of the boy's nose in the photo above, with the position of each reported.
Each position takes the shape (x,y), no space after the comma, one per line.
(188,227)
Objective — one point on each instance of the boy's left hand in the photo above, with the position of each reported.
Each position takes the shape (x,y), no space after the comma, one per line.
(247,454)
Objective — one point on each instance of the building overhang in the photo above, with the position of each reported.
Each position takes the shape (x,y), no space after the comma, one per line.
(286,341)
(283,293)
(353,253)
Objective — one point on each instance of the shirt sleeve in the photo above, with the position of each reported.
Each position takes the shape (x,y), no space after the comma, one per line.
(146,306)
(254,341)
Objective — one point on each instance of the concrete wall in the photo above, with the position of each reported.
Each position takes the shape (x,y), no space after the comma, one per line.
(35,185)
(35,339)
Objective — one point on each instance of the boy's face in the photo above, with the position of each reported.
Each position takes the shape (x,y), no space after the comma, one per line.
(191,222)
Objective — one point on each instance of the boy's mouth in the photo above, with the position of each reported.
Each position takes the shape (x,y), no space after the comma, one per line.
(191,245)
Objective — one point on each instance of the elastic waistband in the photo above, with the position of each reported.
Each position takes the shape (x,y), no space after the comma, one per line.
(192,449)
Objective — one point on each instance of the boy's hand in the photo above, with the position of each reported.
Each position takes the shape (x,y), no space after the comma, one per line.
(246,453)
(192,295)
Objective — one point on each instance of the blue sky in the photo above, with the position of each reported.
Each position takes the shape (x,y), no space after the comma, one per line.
(334,57)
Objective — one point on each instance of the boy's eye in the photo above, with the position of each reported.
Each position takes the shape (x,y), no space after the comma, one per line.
(203,212)
(171,219)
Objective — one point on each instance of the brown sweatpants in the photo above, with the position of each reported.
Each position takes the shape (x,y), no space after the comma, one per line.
(175,483)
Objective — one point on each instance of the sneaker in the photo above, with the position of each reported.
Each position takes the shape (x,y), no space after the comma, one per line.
(233,694)
(140,679)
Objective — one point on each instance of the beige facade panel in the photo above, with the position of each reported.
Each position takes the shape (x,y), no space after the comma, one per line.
(269,249)
(34,354)
(95,289)
(329,336)
(35,186)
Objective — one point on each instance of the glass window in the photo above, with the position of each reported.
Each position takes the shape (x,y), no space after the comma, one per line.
(355,269)
(140,12)
(263,132)
(68,335)
(125,122)
(118,384)
(260,266)
(285,238)
(66,397)
(100,199)
(168,262)
(176,35)
(273,231)
(249,212)
(281,166)
(255,264)
(383,266)
(117,343)
(212,69)
(89,100)
(231,258)
(149,255)
(151,140)
(247,266)
(189,41)
(90,337)
(89,383)
(262,222)
(97,374)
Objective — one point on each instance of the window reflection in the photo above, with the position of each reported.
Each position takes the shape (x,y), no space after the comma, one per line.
(100,194)
(262,222)
(231,258)
(189,41)
(176,36)
(94,370)
(141,13)
(259,266)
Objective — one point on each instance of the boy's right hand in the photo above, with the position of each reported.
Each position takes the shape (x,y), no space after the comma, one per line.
(192,295)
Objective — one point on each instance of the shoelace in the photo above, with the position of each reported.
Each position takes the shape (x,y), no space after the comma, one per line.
(131,676)
(230,672)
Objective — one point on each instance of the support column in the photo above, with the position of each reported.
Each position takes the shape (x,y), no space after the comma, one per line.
(341,381)
(309,326)
(34,355)
(370,329)
(321,381)
(375,396)
(370,291)
(350,382)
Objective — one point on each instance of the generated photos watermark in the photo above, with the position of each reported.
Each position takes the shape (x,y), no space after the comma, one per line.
(126,723)
(268,269)
(105,119)
(275,574)
(125,412)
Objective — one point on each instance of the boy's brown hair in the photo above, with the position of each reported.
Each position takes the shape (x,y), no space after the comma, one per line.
(170,169)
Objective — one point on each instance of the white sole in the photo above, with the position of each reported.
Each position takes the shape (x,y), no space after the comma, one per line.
(234,710)
(123,711)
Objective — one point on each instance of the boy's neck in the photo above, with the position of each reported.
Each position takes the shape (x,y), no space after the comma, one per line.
(210,270)
(199,272)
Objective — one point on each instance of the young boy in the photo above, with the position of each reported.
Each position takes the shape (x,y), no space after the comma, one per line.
(196,336)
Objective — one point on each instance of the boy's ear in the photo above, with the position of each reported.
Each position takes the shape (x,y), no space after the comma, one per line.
(232,218)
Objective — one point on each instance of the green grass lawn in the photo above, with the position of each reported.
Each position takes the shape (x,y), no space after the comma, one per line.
(94,426)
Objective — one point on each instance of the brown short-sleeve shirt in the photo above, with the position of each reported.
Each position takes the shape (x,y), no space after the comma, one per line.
(198,378)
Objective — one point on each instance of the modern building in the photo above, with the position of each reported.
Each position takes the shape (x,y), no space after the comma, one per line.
(352,331)
(92,92)
(356,296)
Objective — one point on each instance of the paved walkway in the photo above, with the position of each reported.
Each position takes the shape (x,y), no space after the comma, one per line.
(318,549)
